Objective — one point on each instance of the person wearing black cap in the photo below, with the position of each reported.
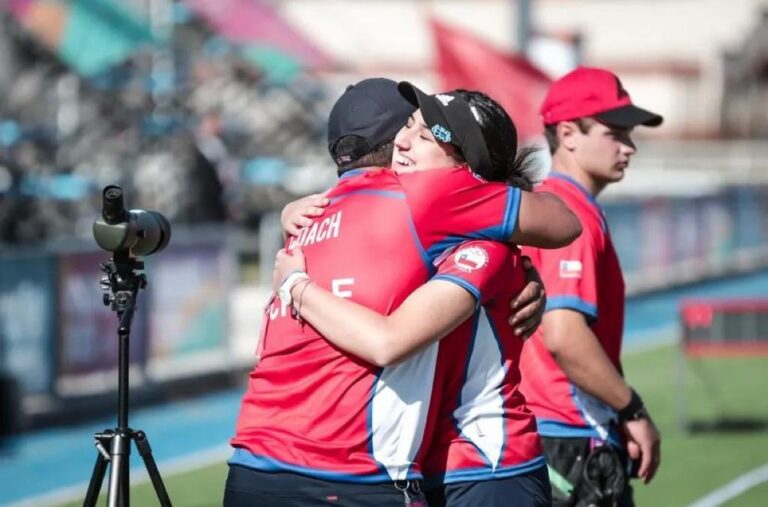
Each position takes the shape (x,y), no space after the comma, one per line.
(470,125)
(363,123)
(317,425)
(495,454)
(572,375)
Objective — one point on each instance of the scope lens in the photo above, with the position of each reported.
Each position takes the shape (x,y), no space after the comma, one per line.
(112,207)
(112,192)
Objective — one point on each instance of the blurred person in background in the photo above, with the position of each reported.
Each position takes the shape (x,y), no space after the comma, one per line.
(481,445)
(571,368)
(318,426)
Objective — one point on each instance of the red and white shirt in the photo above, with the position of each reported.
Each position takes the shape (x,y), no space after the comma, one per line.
(584,276)
(309,407)
(483,429)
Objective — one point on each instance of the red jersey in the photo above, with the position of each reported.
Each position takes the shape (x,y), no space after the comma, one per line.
(586,277)
(311,408)
(483,428)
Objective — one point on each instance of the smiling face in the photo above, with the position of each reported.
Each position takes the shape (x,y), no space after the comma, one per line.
(416,149)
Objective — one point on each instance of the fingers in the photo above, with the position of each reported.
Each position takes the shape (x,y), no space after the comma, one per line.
(529,293)
(526,319)
(528,310)
(298,222)
(318,200)
(314,211)
(644,443)
(299,214)
(645,462)
(633,449)
(293,229)
(521,313)
(655,462)
(527,327)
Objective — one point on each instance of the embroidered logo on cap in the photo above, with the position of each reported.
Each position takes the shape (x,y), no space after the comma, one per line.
(444,99)
(441,133)
(470,259)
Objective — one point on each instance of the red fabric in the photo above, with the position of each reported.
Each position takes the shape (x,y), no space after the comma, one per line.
(312,408)
(483,429)
(465,61)
(586,277)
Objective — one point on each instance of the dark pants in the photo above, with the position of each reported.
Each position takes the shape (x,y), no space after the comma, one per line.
(566,456)
(249,488)
(528,490)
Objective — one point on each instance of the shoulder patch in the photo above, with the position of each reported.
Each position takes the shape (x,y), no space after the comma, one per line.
(471,258)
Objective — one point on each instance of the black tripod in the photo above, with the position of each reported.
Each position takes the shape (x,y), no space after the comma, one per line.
(114,445)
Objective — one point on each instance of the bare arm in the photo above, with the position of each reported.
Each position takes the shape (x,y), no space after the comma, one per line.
(544,221)
(378,339)
(579,354)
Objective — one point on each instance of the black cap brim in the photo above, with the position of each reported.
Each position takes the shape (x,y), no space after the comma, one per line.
(420,100)
(410,92)
(451,120)
(630,116)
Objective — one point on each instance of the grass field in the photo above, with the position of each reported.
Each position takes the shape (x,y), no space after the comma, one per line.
(693,464)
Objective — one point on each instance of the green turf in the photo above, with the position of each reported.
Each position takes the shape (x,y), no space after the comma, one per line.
(203,487)
(755,496)
(693,464)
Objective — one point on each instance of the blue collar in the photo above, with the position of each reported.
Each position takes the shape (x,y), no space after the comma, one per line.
(579,186)
(351,172)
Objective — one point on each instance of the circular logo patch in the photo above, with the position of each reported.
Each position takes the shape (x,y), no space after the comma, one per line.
(470,259)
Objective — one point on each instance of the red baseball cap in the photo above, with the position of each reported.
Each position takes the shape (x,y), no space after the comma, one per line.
(591,92)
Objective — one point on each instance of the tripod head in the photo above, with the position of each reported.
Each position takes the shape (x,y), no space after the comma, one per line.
(121,280)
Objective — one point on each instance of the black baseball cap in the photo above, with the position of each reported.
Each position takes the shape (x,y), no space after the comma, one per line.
(373,111)
(452,121)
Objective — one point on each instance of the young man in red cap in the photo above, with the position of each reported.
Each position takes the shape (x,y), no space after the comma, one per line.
(594,425)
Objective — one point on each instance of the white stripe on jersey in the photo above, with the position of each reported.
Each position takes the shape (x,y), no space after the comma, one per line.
(480,416)
(399,411)
(597,414)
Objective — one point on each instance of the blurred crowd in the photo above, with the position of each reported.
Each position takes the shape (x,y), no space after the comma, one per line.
(190,128)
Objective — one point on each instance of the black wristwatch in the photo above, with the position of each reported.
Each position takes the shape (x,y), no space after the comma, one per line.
(634,410)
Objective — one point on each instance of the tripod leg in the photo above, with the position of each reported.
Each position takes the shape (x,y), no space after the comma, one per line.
(142,444)
(125,480)
(118,473)
(97,478)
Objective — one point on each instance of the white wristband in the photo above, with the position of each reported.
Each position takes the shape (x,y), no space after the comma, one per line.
(284,292)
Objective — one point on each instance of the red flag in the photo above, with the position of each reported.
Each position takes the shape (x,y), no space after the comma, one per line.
(465,61)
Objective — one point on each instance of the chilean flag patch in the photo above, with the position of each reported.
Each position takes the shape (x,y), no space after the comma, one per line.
(570,269)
